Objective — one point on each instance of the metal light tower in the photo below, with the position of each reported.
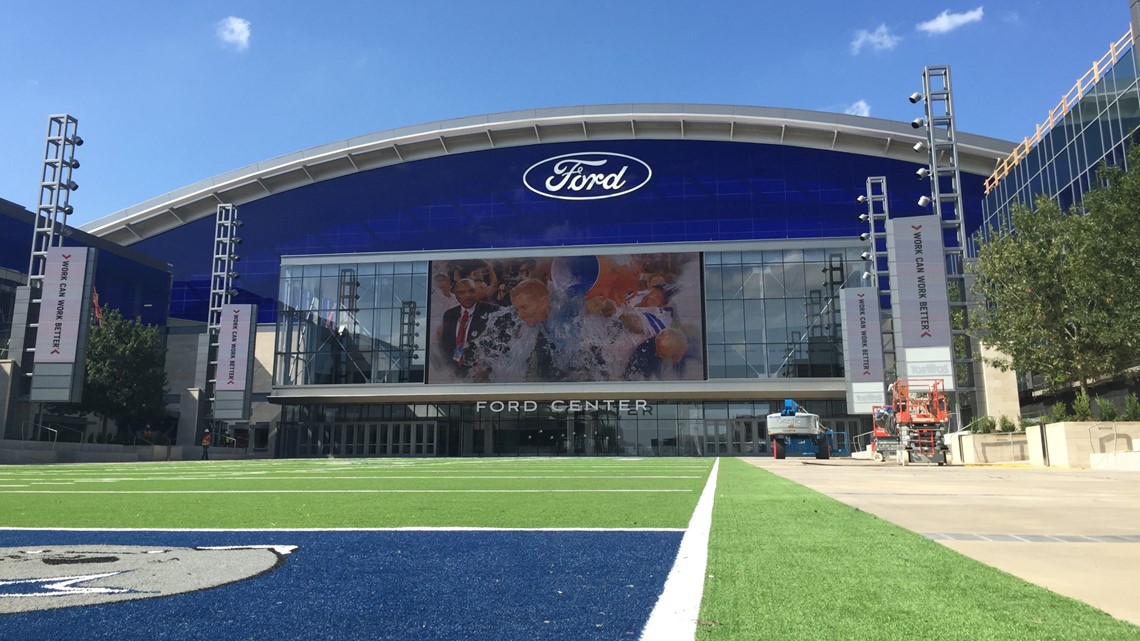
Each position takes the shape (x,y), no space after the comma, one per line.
(56,186)
(878,275)
(54,207)
(222,277)
(946,198)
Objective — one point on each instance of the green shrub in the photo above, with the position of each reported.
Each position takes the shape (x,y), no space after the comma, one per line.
(1106,408)
(1082,407)
(1005,424)
(983,425)
(1059,413)
(1131,408)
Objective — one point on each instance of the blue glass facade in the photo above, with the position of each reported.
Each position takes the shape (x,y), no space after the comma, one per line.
(136,285)
(700,191)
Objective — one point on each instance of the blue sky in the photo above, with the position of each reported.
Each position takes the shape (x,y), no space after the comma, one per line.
(169,93)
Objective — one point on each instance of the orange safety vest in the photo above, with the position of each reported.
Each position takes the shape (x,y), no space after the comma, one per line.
(206,440)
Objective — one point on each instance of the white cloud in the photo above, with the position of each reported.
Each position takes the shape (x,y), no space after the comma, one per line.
(880,39)
(947,22)
(858,108)
(234,32)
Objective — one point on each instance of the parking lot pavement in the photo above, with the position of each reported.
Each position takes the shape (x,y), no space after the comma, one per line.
(1076,532)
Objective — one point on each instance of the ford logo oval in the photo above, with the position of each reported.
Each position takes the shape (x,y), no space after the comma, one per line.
(587,175)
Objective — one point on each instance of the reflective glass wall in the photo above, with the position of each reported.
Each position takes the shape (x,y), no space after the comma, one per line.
(775,313)
(768,313)
(345,323)
(1063,164)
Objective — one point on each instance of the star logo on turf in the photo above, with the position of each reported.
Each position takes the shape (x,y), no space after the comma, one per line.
(57,586)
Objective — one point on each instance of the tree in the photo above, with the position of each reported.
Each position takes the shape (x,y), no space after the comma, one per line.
(1058,290)
(126,372)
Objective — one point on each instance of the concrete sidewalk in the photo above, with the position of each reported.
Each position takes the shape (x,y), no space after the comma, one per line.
(1075,532)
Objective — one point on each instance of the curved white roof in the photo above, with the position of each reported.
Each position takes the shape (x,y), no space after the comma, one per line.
(794,127)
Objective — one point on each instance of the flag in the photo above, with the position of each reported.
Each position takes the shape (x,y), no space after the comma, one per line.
(98,309)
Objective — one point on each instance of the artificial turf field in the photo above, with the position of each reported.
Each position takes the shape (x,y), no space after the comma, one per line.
(559,549)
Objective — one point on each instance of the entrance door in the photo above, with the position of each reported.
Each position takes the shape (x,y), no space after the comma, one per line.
(716,436)
(411,438)
(748,435)
(740,436)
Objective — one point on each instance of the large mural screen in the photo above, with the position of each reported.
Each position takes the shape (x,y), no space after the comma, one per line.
(625,317)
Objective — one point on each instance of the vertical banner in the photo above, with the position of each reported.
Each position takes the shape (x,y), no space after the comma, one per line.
(919,302)
(61,336)
(862,349)
(234,376)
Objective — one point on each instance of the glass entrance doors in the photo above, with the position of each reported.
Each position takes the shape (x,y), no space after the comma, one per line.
(403,438)
(749,435)
(740,436)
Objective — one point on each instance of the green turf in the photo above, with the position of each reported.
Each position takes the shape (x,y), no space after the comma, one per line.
(786,562)
(322,493)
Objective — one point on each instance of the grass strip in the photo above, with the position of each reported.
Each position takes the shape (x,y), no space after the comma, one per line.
(788,563)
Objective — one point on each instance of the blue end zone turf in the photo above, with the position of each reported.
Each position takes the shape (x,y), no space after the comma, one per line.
(364,586)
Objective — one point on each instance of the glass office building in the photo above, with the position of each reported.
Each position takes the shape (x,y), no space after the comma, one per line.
(1091,125)
(135,284)
(646,279)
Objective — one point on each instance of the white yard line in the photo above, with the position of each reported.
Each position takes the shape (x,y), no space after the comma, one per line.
(325,477)
(674,618)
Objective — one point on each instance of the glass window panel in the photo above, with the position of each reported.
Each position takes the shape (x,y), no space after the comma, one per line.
(714,322)
(734,321)
(774,281)
(756,355)
(754,321)
(779,361)
(403,288)
(382,329)
(753,281)
(420,289)
(732,283)
(385,291)
(1094,147)
(797,315)
(712,283)
(716,361)
(734,362)
(775,317)
(795,280)
(1124,71)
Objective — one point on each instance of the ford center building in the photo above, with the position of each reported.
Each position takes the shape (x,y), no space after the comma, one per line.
(645,280)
